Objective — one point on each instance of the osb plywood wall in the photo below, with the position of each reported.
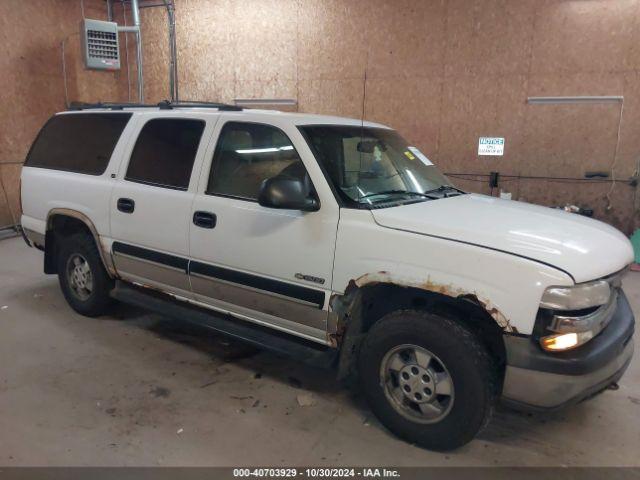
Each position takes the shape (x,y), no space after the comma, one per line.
(32,83)
(443,72)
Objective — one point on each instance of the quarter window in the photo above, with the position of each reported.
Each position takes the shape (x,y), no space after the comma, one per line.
(246,155)
(77,142)
(165,151)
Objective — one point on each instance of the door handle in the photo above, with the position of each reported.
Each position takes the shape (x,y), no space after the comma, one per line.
(204,219)
(126,205)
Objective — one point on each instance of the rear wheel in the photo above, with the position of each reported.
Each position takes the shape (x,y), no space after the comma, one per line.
(84,281)
(428,379)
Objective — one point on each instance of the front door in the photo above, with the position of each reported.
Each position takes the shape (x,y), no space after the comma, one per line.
(266,265)
(151,203)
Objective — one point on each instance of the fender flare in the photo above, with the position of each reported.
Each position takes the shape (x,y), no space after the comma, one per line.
(448,290)
(340,305)
(105,256)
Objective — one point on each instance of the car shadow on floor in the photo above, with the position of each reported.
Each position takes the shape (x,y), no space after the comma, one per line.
(507,425)
(506,428)
(223,349)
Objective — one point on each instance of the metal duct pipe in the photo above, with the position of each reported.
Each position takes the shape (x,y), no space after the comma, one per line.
(173,65)
(135,14)
(173,54)
(110,10)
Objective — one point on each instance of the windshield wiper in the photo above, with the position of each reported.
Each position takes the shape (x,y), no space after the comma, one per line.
(397,192)
(443,189)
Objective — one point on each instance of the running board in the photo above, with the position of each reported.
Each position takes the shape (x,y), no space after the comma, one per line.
(278,342)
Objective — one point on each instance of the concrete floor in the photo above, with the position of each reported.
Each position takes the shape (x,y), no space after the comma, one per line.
(136,389)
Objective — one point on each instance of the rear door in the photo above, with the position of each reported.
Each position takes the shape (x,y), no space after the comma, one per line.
(269,266)
(151,202)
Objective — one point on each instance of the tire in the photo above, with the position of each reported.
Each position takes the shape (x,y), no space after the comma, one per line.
(79,250)
(457,408)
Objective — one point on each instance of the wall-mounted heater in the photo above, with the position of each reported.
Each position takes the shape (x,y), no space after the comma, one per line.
(100,45)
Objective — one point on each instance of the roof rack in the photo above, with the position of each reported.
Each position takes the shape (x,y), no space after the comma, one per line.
(109,105)
(167,105)
(163,105)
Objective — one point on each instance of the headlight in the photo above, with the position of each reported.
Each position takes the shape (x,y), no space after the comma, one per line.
(571,316)
(579,297)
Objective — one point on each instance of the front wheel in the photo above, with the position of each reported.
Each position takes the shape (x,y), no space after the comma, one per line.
(428,379)
(84,281)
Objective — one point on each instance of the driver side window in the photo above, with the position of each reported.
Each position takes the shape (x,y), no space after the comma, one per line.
(246,155)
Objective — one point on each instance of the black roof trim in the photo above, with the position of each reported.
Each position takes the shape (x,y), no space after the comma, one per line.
(167,105)
(107,105)
(163,105)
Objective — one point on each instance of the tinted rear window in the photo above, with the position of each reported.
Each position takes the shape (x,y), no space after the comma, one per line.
(81,143)
(165,151)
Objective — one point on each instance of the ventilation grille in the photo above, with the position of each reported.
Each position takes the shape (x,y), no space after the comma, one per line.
(100,44)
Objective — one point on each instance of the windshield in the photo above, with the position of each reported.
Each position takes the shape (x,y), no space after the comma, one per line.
(373,167)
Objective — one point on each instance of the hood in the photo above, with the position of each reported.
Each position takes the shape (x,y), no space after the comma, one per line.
(585,248)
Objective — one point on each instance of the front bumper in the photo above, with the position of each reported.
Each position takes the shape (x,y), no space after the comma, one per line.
(539,380)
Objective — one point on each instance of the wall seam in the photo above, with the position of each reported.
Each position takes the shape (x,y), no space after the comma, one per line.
(298,55)
(445,22)
(7,202)
(527,83)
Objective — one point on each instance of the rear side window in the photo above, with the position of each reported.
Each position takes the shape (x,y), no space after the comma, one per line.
(165,151)
(81,142)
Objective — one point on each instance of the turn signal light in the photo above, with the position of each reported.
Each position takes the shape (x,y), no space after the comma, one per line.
(559,342)
(565,341)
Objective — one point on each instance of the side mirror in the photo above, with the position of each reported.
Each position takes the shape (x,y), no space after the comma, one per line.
(287,193)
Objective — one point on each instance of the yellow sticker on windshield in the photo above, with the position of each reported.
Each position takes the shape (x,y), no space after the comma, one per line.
(409,155)
(420,155)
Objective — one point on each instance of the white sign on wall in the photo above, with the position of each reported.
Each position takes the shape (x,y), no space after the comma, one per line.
(491,146)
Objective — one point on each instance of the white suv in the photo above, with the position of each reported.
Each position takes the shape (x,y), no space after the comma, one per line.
(336,242)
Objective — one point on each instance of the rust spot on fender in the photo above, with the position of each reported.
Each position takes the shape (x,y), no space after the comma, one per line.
(339,313)
(443,289)
(335,339)
(380,277)
(496,314)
